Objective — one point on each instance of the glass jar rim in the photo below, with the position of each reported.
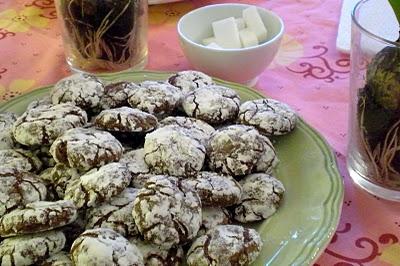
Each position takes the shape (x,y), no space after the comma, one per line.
(364,30)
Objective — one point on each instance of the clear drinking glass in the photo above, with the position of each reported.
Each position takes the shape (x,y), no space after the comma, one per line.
(374,129)
(104,35)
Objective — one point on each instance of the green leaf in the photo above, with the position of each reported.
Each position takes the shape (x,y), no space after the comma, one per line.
(396,8)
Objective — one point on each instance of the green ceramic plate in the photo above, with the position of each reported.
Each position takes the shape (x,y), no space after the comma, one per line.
(307,219)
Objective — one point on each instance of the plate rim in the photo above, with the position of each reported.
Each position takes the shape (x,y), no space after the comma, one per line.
(332,204)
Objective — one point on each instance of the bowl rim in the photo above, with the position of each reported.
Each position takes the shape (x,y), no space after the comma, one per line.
(273,39)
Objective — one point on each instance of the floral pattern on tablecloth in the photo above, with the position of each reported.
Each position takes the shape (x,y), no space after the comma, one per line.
(308,73)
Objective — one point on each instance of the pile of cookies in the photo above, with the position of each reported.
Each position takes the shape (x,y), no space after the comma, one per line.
(155,173)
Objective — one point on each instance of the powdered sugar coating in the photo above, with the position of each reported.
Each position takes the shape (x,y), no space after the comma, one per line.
(213,216)
(58,177)
(157,98)
(134,160)
(225,245)
(86,148)
(268,160)
(98,185)
(59,259)
(80,89)
(239,150)
(7,120)
(126,119)
(37,217)
(166,213)
(46,100)
(20,160)
(199,129)
(173,151)
(31,249)
(215,189)
(116,214)
(43,124)
(269,116)
(116,94)
(103,246)
(19,189)
(155,255)
(262,194)
(190,80)
(214,104)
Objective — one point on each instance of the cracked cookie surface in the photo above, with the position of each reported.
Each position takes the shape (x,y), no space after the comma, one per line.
(262,195)
(20,160)
(155,97)
(190,80)
(238,150)
(86,148)
(7,120)
(116,94)
(82,90)
(215,189)
(269,116)
(19,189)
(166,213)
(116,214)
(138,168)
(173,151)
(103,246)
(37,217)
(225,245)
(58,177)
(154,255)
(31,249)
(61,258)
(214,104)
(98,185)
(199,129)
(126,119)
(43,124)
(213,216)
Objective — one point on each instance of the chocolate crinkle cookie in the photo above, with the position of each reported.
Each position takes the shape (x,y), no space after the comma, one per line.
(155,255)
(37,217)
(269,116)
(116,94)
(116,214)
(199,129)
(155,97)
(7,120)
(20,160)
(43,124)
(214,104)
(239,150)
(126,119)
(103,246)
(31,249)
(215,189)
(262,195)
(173,151)
(225,245)
(86,148)
(190,80)
(82,90)
(18,189)
(165,213)
(98,185)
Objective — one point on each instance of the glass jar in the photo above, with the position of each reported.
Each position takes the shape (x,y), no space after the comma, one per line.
(373,157)
(104,35)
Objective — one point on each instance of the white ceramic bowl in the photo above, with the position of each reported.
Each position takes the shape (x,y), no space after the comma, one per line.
(239,65)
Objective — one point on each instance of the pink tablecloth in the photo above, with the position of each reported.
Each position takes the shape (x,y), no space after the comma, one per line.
(308,73)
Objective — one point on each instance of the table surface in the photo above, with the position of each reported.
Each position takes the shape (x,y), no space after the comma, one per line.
(308,73)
